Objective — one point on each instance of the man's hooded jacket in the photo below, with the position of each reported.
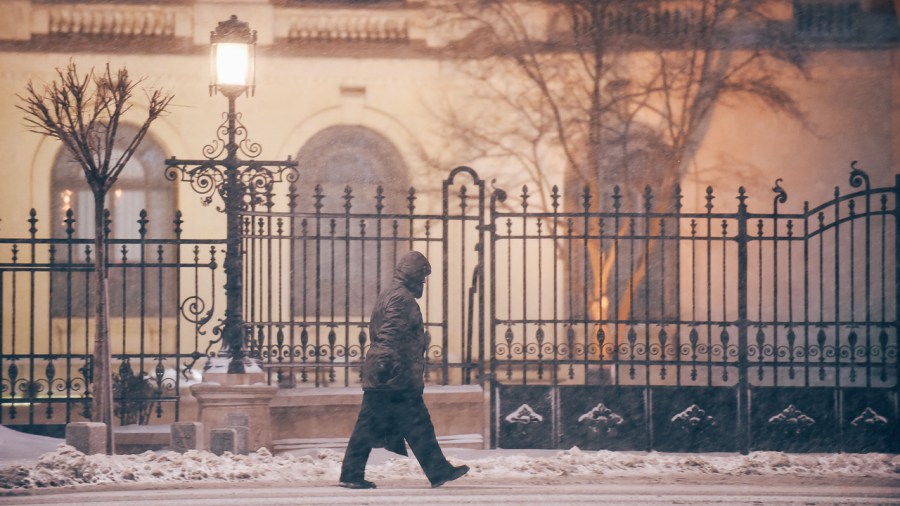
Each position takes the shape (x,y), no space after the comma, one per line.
(396,358)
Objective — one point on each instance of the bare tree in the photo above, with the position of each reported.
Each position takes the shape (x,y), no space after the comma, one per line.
(620,91)
(83,112)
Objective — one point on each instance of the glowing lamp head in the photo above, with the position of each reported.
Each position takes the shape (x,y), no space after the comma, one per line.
(233,55)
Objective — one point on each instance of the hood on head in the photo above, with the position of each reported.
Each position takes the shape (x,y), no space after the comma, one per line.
(413,267)
(412,270)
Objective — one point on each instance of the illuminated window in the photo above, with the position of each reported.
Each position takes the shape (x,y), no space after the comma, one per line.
(141,186)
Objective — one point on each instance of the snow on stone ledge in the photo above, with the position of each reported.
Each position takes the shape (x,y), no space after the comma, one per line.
(67,466)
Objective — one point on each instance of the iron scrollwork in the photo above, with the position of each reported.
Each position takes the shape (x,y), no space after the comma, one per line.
(208,177)
(242,185)
(792,420)
(524,415)
(694,420)
(601,419)
(869,419)
(218,146)
(858,177)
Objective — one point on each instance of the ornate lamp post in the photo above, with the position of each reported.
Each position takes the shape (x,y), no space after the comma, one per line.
(240,183)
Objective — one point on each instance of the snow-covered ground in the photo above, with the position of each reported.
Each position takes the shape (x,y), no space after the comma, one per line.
(33,462)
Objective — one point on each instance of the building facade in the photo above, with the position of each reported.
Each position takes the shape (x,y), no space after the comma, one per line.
(358,93)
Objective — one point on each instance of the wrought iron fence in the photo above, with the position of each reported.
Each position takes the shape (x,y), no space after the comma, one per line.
(720,329)
(162,296)
(629,323)
(628,326)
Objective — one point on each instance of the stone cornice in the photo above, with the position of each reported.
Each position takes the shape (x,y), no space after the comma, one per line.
(297,24)
(180,27)
(116,20)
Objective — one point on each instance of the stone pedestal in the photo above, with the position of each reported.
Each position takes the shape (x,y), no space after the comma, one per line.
(215,401)
(186,436)
(222,440)
(87,437)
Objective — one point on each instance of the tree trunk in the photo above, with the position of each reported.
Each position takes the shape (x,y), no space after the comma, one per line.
(103,398)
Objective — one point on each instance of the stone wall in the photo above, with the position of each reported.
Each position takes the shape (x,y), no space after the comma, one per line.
(324,417)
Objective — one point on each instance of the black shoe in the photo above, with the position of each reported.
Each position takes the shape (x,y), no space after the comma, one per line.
(453,474)
(357,484)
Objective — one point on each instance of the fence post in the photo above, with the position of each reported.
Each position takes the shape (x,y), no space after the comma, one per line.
(896,285)
(445,288)
(743,421)
(482,235)
(498,195)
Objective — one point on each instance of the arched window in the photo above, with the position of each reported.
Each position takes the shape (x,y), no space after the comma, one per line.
(141,186)
(348,259)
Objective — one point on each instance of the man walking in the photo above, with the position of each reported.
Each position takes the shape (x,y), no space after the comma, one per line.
(392,408)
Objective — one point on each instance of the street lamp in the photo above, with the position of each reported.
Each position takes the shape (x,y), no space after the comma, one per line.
(241,184)
(232,58)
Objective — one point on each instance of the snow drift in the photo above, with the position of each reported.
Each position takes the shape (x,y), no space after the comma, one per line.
(67,467)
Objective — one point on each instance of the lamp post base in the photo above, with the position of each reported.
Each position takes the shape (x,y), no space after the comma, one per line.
(216,402)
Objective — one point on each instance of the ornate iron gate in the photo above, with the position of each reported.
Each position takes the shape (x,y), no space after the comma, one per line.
(696,331)
(316,263)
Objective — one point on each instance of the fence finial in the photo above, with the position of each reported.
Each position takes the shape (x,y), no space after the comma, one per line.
(781,195)
(858,176)
(379,199)
(742,197)
(498,194)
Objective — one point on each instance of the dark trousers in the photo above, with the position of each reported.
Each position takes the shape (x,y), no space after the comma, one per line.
(384,418)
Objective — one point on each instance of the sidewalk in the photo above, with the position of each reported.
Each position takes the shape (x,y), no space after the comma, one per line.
(754,491)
